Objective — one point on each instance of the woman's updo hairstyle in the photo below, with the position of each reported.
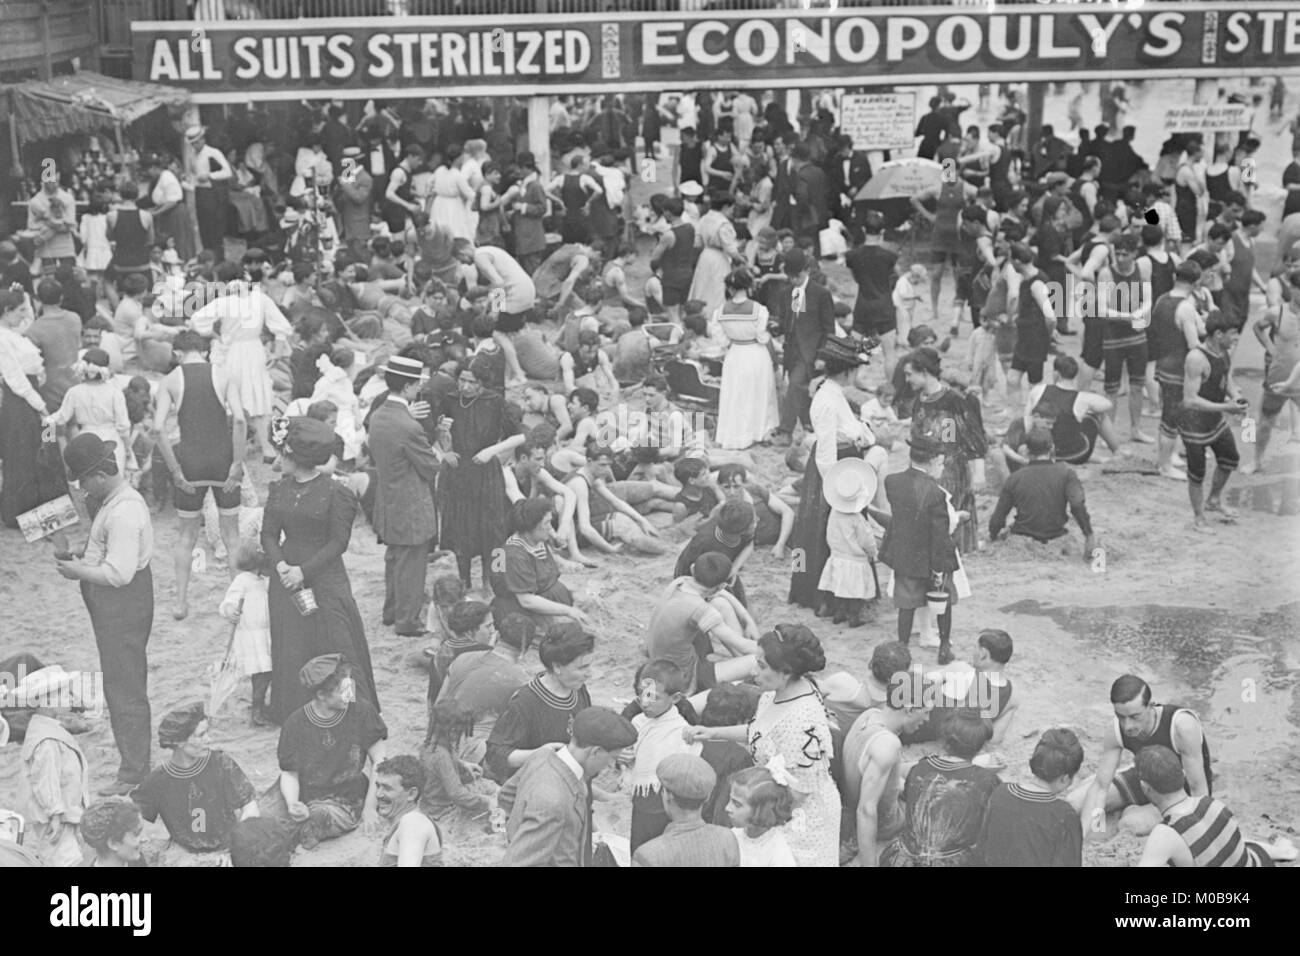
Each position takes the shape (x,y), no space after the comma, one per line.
(925,360)
(527,512)
(793,649)
(564,645)
(740,280)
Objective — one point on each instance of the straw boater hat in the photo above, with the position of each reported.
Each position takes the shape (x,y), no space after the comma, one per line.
(850,485)
(352,152)
(398,365)
(195,133)
(690,189)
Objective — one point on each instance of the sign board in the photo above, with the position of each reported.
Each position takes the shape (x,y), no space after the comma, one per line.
(1222,118)
(365,57)
(879,120)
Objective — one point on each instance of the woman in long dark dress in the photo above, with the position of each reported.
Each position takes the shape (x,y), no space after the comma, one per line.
(947,417)
(306,528)
(33,471)
(479,424)
(840,434)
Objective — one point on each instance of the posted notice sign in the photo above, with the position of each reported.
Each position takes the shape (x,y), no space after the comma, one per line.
(879,120)
(363,57)
(1222,118)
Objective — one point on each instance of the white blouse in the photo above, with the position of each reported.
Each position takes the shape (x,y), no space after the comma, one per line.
(19,359)
(835,424)
(167,189)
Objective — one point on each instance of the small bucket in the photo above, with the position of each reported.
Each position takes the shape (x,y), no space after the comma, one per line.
(937,601)
(304,599)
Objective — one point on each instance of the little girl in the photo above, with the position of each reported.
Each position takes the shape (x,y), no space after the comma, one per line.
(96,405)
(96,253)
(849,577)
(759,807)
(245,606)
(450,722)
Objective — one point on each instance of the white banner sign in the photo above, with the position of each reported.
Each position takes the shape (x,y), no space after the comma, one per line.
(879,120)
(1207,119)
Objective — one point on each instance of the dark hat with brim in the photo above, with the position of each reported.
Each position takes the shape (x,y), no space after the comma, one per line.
(85,453)
(845,351)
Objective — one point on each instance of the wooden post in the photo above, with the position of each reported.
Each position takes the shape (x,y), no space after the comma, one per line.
(539,133)
(47,58)
(1036,96)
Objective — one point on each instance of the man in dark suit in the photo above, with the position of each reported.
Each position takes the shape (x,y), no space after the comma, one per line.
(404,517)
(812,321)
(918,545)
(335,137)
(548,802)
(810,212)
(782,181)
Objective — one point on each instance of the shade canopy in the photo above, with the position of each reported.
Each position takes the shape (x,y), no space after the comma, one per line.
(83,103)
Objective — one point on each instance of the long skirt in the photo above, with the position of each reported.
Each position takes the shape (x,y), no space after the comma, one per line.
(809,537)
(747,406)
(33,472)
(335,627)
(177,224)
(708,284)
(473,508)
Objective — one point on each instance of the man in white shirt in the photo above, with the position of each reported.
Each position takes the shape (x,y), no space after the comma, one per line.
(211,172)
(52,215)
(117,587)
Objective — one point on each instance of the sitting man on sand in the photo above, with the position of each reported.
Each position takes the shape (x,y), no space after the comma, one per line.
(1140,724)
(1195,831)
(1040,495)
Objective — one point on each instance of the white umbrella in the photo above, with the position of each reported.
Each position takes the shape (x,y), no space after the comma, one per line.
(901,179)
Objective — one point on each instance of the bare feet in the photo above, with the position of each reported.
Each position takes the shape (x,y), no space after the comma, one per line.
(1226,515)
(1252,468)
(181,610)
(1141,438)
(1173,474)
(1201,525)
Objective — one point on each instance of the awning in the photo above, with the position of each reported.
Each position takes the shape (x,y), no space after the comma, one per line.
(84,102)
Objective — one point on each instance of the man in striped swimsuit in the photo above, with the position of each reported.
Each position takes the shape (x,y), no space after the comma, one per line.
(1196,831)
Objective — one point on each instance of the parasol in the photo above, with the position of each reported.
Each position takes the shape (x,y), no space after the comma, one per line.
(224,675)
(901,179)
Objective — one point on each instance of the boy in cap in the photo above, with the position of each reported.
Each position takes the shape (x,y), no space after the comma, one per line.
(687,781)
(323,749)
(200,793)
(548,801)
(731,533)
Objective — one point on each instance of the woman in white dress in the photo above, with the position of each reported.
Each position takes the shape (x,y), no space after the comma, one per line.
(171,215)
(471,167)
(747,407)
(791,723)
(243,315)
(744,110)
(719,253)
(452,197)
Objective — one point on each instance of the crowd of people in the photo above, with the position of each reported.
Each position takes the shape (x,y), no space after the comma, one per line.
(401,327)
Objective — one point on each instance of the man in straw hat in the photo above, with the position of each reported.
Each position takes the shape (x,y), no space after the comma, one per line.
(405,519)
(353,197)
(324,745)
(117,587)
(211,172)
(548,801)
(918,545)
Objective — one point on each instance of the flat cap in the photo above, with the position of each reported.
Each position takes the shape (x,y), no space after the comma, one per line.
(601,727)
(687,776)
(179,725)
(318,670)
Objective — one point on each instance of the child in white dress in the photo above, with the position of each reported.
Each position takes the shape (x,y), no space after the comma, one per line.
(759,807)
(96,405)
(245,605)
(849,575)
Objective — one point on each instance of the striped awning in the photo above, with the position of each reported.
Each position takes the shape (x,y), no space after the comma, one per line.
(85,102)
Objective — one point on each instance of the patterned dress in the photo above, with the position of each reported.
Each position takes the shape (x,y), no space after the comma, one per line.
(798,731)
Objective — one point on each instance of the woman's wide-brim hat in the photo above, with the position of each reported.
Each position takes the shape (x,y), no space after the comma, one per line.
(844,350)
(850,485)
